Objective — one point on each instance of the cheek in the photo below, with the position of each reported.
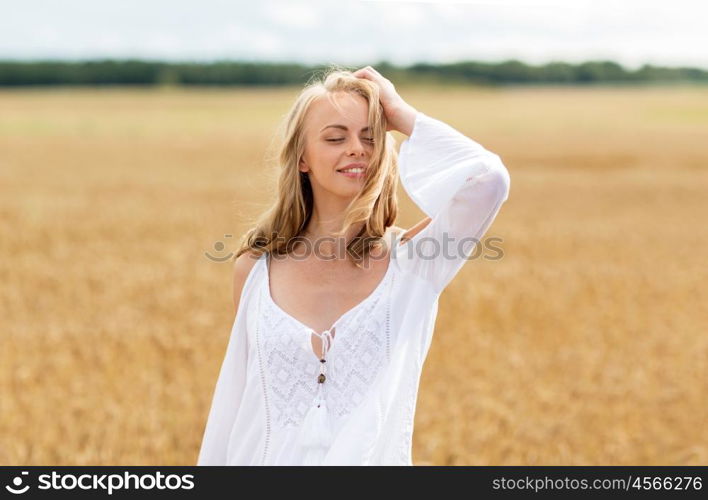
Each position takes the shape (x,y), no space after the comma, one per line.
(326,158)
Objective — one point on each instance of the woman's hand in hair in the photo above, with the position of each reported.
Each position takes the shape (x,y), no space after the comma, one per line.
(399,114)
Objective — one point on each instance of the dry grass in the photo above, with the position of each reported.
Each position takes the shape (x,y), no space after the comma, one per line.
(585,345)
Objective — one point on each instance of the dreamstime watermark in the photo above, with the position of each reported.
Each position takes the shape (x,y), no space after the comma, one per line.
(420,247)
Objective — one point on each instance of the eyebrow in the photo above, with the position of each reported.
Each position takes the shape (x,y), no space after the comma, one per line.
(337,125)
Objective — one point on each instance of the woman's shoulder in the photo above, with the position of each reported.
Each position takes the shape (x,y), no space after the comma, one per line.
(243,264)
(407,234)
(395,230)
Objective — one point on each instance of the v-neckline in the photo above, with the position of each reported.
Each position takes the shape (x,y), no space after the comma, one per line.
(389,270)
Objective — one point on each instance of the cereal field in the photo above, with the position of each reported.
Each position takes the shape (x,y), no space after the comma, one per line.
(586,344)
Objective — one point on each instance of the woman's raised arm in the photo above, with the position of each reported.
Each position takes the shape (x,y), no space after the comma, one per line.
(460,186)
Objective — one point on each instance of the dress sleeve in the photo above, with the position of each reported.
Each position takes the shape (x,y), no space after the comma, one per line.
(460,185)
(228,394)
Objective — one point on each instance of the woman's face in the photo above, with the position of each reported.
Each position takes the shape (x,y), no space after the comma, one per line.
(335,139)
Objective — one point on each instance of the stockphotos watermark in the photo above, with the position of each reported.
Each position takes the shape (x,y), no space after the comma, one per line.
(101,482)
(423,248)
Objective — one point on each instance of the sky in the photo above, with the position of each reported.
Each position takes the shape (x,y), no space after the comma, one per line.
(359,32)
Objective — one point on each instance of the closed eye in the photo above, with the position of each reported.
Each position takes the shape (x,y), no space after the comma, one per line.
(370,139)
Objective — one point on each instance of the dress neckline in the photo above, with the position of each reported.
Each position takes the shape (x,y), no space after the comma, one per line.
(356,307)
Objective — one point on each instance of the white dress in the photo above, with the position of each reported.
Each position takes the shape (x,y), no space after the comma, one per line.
(269,406)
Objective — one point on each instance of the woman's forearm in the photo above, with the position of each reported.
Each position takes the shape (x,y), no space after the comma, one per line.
(403,118)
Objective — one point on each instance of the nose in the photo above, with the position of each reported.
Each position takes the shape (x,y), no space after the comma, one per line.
(357,147)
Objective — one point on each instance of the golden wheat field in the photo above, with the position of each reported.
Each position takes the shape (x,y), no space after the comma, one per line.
(586,344)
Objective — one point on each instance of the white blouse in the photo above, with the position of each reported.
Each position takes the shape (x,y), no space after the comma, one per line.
(277,403)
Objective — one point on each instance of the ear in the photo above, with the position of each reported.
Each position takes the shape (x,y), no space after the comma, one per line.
(302,166)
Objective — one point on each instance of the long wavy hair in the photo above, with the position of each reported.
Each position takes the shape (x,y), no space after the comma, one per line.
(375,205)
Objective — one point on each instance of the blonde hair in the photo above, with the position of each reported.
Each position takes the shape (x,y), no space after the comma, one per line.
(375,205)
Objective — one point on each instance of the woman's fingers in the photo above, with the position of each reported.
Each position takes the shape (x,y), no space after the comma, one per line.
(387,92)
(363,73)
(367,72)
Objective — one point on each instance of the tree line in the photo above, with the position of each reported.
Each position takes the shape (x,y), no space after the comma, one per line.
(237,73)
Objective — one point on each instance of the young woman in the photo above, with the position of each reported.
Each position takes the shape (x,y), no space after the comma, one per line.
(335,305)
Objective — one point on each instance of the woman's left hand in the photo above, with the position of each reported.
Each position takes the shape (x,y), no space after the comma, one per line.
(399,114)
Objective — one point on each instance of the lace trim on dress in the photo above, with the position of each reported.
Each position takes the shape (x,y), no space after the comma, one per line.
(290,369)
(360,347)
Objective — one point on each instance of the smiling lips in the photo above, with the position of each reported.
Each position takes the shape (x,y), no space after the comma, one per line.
(353,170)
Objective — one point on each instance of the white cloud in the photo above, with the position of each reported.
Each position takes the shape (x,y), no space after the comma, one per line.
(352,32)
(402,16)
(293,14)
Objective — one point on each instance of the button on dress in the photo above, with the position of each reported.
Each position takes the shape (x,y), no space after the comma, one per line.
(278,402)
